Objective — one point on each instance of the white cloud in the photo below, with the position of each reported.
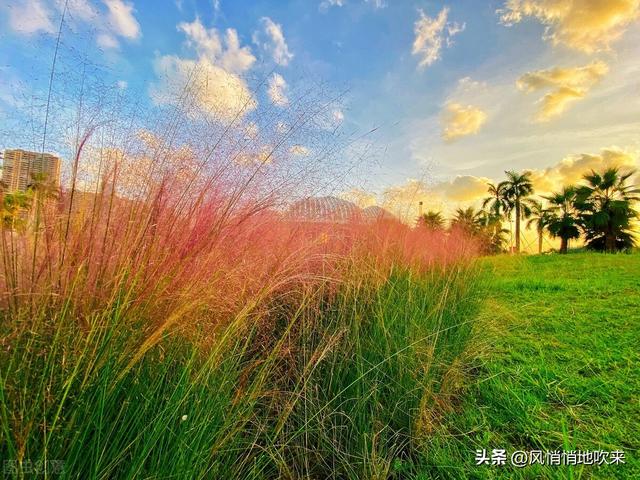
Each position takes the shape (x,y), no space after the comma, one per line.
(327,4)
(107,41)
(215,91)
(121,19)
(377,3)
(207,43)
(213,81)
(30,16)
(431,34)
(251,131)
(275,43)
(80,9)
(299,151)
(277,90)
(33,16)
(282,128)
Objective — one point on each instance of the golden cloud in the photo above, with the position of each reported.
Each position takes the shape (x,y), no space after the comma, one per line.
(459,121)
(431,34)
(404,199)
(360,197)
(567,85)
(571,169)
(585,25)
(463,188)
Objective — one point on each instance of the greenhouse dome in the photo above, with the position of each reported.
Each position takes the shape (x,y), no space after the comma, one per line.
(325,209)
(375,213)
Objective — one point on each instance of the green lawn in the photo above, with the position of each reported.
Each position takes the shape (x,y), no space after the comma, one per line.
(557,367)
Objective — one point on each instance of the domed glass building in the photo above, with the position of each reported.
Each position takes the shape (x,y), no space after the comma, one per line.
(324,209)
(375,213)
(334,210)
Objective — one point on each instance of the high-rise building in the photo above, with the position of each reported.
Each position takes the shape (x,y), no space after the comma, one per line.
(21,167)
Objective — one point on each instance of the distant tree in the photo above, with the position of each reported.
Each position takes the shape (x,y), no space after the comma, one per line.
(563,220)
(467,219)
(432,220)
(497,202)
(518,188)
(606,206)
(493,232)
(486,227)
(41,187)
(14,207)
(540,219)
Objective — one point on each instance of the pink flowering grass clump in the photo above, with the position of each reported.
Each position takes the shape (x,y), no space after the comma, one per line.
(164,304)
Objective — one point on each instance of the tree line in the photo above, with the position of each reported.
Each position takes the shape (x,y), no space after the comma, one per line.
(601,210)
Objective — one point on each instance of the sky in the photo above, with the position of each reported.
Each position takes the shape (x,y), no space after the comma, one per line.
(447,95)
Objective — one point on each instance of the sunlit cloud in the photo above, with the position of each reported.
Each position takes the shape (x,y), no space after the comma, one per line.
(274,43)
(431,34)
(277,90)
(299,151)
(585,25)
(406,199)
(261,156)
(225,52)
(214,80)
(566,84)
(469,190)
(461,120)
(571,169)
(215,91)
(360,197)
(463,188)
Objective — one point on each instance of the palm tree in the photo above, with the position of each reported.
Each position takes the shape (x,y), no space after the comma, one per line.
(539,218)
(497,199)
(13,207)
(432,220)
(606,209)
(518,188)
(493,232)
(563,218)
(467,219)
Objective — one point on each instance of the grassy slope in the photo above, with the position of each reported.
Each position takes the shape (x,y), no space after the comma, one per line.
(559,368)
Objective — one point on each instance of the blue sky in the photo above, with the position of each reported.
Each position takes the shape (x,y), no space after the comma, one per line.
(457,91)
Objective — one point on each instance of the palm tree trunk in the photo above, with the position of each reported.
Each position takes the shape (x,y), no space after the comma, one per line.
(564,244)
(517,226)
(539,243)
(609,242)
